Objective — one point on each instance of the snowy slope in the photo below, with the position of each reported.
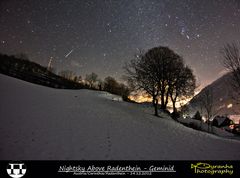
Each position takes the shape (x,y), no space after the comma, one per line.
(43,123)
(225,98)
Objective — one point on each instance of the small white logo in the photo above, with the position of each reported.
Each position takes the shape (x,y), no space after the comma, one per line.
(16,170)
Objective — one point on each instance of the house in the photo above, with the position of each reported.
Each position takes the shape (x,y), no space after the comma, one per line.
(221,121)
(236,129)
(235,118)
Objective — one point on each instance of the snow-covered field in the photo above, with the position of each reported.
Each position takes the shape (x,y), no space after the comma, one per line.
(42,123)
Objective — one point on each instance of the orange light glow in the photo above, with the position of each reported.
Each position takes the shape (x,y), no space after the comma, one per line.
(141,98)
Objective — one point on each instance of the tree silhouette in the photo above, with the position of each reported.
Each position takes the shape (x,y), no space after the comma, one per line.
(183,84)
(112,86)
(67,74)
(91,79)
(231,61)
(206,102)
(197,116)
(21,67)
(157,72)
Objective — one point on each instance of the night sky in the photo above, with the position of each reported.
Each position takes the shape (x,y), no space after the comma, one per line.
(101,35)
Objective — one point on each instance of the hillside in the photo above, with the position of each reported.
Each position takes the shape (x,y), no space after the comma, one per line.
(30,71)
(39,123)
(225,100)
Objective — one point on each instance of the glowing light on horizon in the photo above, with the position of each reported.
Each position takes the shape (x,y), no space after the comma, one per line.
(141,98)
(230,105)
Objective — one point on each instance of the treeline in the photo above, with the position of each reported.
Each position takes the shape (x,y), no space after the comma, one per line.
(24,69)
(21,67)
(114,87)
(92,81)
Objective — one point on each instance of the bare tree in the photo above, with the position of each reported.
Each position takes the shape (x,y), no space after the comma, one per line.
(114,87)
(67,74)
(91,79)
(183,85)
(231,61)
(100,84)
(110,84)
(207,104)
(156,72)
(141,77)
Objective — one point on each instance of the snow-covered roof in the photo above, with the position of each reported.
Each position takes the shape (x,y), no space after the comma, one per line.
(235,118)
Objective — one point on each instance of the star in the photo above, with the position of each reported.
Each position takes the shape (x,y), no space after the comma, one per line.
(54,28)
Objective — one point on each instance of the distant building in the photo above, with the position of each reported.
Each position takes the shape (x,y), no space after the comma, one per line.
(221,121)
(235,118)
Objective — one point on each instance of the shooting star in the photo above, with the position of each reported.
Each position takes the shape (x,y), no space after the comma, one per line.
(69,53)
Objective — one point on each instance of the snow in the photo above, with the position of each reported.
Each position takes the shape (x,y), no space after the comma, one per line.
(39,123)
(110,96)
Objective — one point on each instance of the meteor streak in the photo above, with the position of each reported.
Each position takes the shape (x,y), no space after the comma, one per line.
(68,53)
